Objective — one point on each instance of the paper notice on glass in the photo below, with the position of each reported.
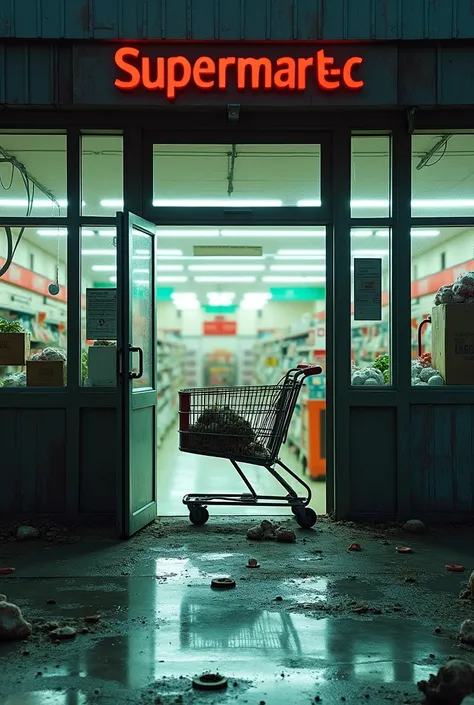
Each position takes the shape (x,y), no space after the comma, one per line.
(101,314)
(367,289)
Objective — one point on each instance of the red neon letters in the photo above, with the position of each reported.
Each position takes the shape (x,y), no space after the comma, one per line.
(175,73)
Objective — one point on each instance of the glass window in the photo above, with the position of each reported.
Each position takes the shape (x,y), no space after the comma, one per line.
(370,177)
(32,174)
(442,293)
(242,176)
(102,174)
(99,271)
(33,302)
(442,176)
(370,307)
(142,293)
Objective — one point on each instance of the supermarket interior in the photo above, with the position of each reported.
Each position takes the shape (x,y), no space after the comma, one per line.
(236,306)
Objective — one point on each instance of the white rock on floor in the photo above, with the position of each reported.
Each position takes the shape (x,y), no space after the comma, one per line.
(12,624)
(467,631)
(27,533)
(63,633)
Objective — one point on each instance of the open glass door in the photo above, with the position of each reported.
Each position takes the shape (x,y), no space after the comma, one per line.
(136,288)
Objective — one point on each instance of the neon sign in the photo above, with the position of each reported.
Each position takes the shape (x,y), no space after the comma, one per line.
(170,75)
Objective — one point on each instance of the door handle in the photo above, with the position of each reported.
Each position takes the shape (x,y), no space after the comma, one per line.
(139,374)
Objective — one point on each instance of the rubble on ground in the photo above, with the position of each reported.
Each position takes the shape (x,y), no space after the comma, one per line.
(466,633)
(12,623)
(415,526)
(454,681)
(27,533)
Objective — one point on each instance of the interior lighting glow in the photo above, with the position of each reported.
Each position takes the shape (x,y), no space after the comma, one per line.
(171,280)
(361,233)
(221,295)
(298,267)
(107,233)
(169,267)
(226,203)
(382,233)
(191,305)
(226,267)
(111,203)
(37,203)
(309,203)
(272,233)
(293,280)
(187,233)
(370,203)
(112,279)
(443,203)
(425,233)
(104,268)
(98,252)
(52,232)
(223,280)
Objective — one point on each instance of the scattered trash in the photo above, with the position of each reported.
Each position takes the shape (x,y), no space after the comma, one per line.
(92,618)
(7,571)
(453,682)
(253,563)
(210,681)
(467,631)
(354,547)
(404,549)
(27,533)
(285,535)
(223,583)
(415,526)
(63,633)
(455,568)
(12,624)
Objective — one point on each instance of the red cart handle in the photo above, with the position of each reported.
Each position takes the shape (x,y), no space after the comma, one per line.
(310,370)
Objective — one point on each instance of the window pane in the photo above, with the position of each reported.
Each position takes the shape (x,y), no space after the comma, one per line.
(99,271)
(442,294)
(370,310)
(27,296)
(370,177)
(102,174)
(142,300)
(32,175)
(245,177)
(442,177)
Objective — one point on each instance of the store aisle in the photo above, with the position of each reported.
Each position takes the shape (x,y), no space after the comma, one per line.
(182,473)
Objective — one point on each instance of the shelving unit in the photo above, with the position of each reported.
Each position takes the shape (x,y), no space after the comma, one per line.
(170,378)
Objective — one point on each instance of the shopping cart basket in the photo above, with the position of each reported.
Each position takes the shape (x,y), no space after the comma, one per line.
(245,425)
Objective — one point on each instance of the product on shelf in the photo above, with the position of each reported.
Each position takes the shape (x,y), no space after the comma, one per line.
(14,343)
(49,354)
(423,375)
(367,377)
(382,363)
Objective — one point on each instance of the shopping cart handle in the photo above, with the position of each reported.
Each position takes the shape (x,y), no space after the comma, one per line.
(310,370)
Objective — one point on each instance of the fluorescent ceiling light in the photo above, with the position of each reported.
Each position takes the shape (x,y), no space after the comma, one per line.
(216,203)
(301,252)
(425,233)
(99,252)
(309,203)
(361,233)
(87,233)
(37,203)
(369,253)
(171,280)
(226,267)
(293,280)
(112,279)
(166,253)
(370,203)
(382,233)
(443,203)
(272,233)
(107,233)
(52,232)
(298,267)
(104,268)
(111,203)
(222,280)
(187,233)
(169,267)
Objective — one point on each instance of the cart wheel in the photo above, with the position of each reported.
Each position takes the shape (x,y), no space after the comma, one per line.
(199,515)
(306,518)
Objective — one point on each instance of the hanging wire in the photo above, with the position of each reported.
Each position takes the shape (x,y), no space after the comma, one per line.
(439,158)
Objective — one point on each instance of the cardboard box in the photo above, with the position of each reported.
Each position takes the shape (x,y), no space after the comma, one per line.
(14,348)
(452,337)
(45,373)
(102,366)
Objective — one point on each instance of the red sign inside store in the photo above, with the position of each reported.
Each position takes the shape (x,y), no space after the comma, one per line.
(220,328)
(172,74)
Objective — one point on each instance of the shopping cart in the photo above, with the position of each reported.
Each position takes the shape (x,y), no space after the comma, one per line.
(245,425)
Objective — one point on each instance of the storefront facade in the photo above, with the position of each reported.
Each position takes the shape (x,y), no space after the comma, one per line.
(395,451)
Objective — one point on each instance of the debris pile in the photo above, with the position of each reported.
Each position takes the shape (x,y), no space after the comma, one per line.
(12,623)
(270,531)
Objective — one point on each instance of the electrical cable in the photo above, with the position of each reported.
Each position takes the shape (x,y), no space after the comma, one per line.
(30,195)
(12,174)
(439,158)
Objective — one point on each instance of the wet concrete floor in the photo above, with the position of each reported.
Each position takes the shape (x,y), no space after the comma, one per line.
(160,623)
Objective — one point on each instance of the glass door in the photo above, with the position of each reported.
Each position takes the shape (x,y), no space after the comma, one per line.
(136,283)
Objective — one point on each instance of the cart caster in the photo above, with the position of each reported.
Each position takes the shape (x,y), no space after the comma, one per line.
(305,517)
(198,515)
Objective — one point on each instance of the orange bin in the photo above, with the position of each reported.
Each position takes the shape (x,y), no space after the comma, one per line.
(316,438)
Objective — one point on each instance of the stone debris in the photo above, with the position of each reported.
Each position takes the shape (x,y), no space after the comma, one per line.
(63,633)
(285,535)
(269,531)
(92,618)
(12,624)
(27,533)
(415,526)
(454,681)
(471,583)
(467,631)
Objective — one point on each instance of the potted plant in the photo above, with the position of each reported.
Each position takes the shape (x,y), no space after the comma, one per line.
(14,343)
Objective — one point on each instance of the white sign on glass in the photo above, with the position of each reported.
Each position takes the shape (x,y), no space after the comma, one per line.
(367,289)
(101,314)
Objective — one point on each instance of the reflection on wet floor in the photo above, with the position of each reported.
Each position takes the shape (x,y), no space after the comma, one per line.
(161,624)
